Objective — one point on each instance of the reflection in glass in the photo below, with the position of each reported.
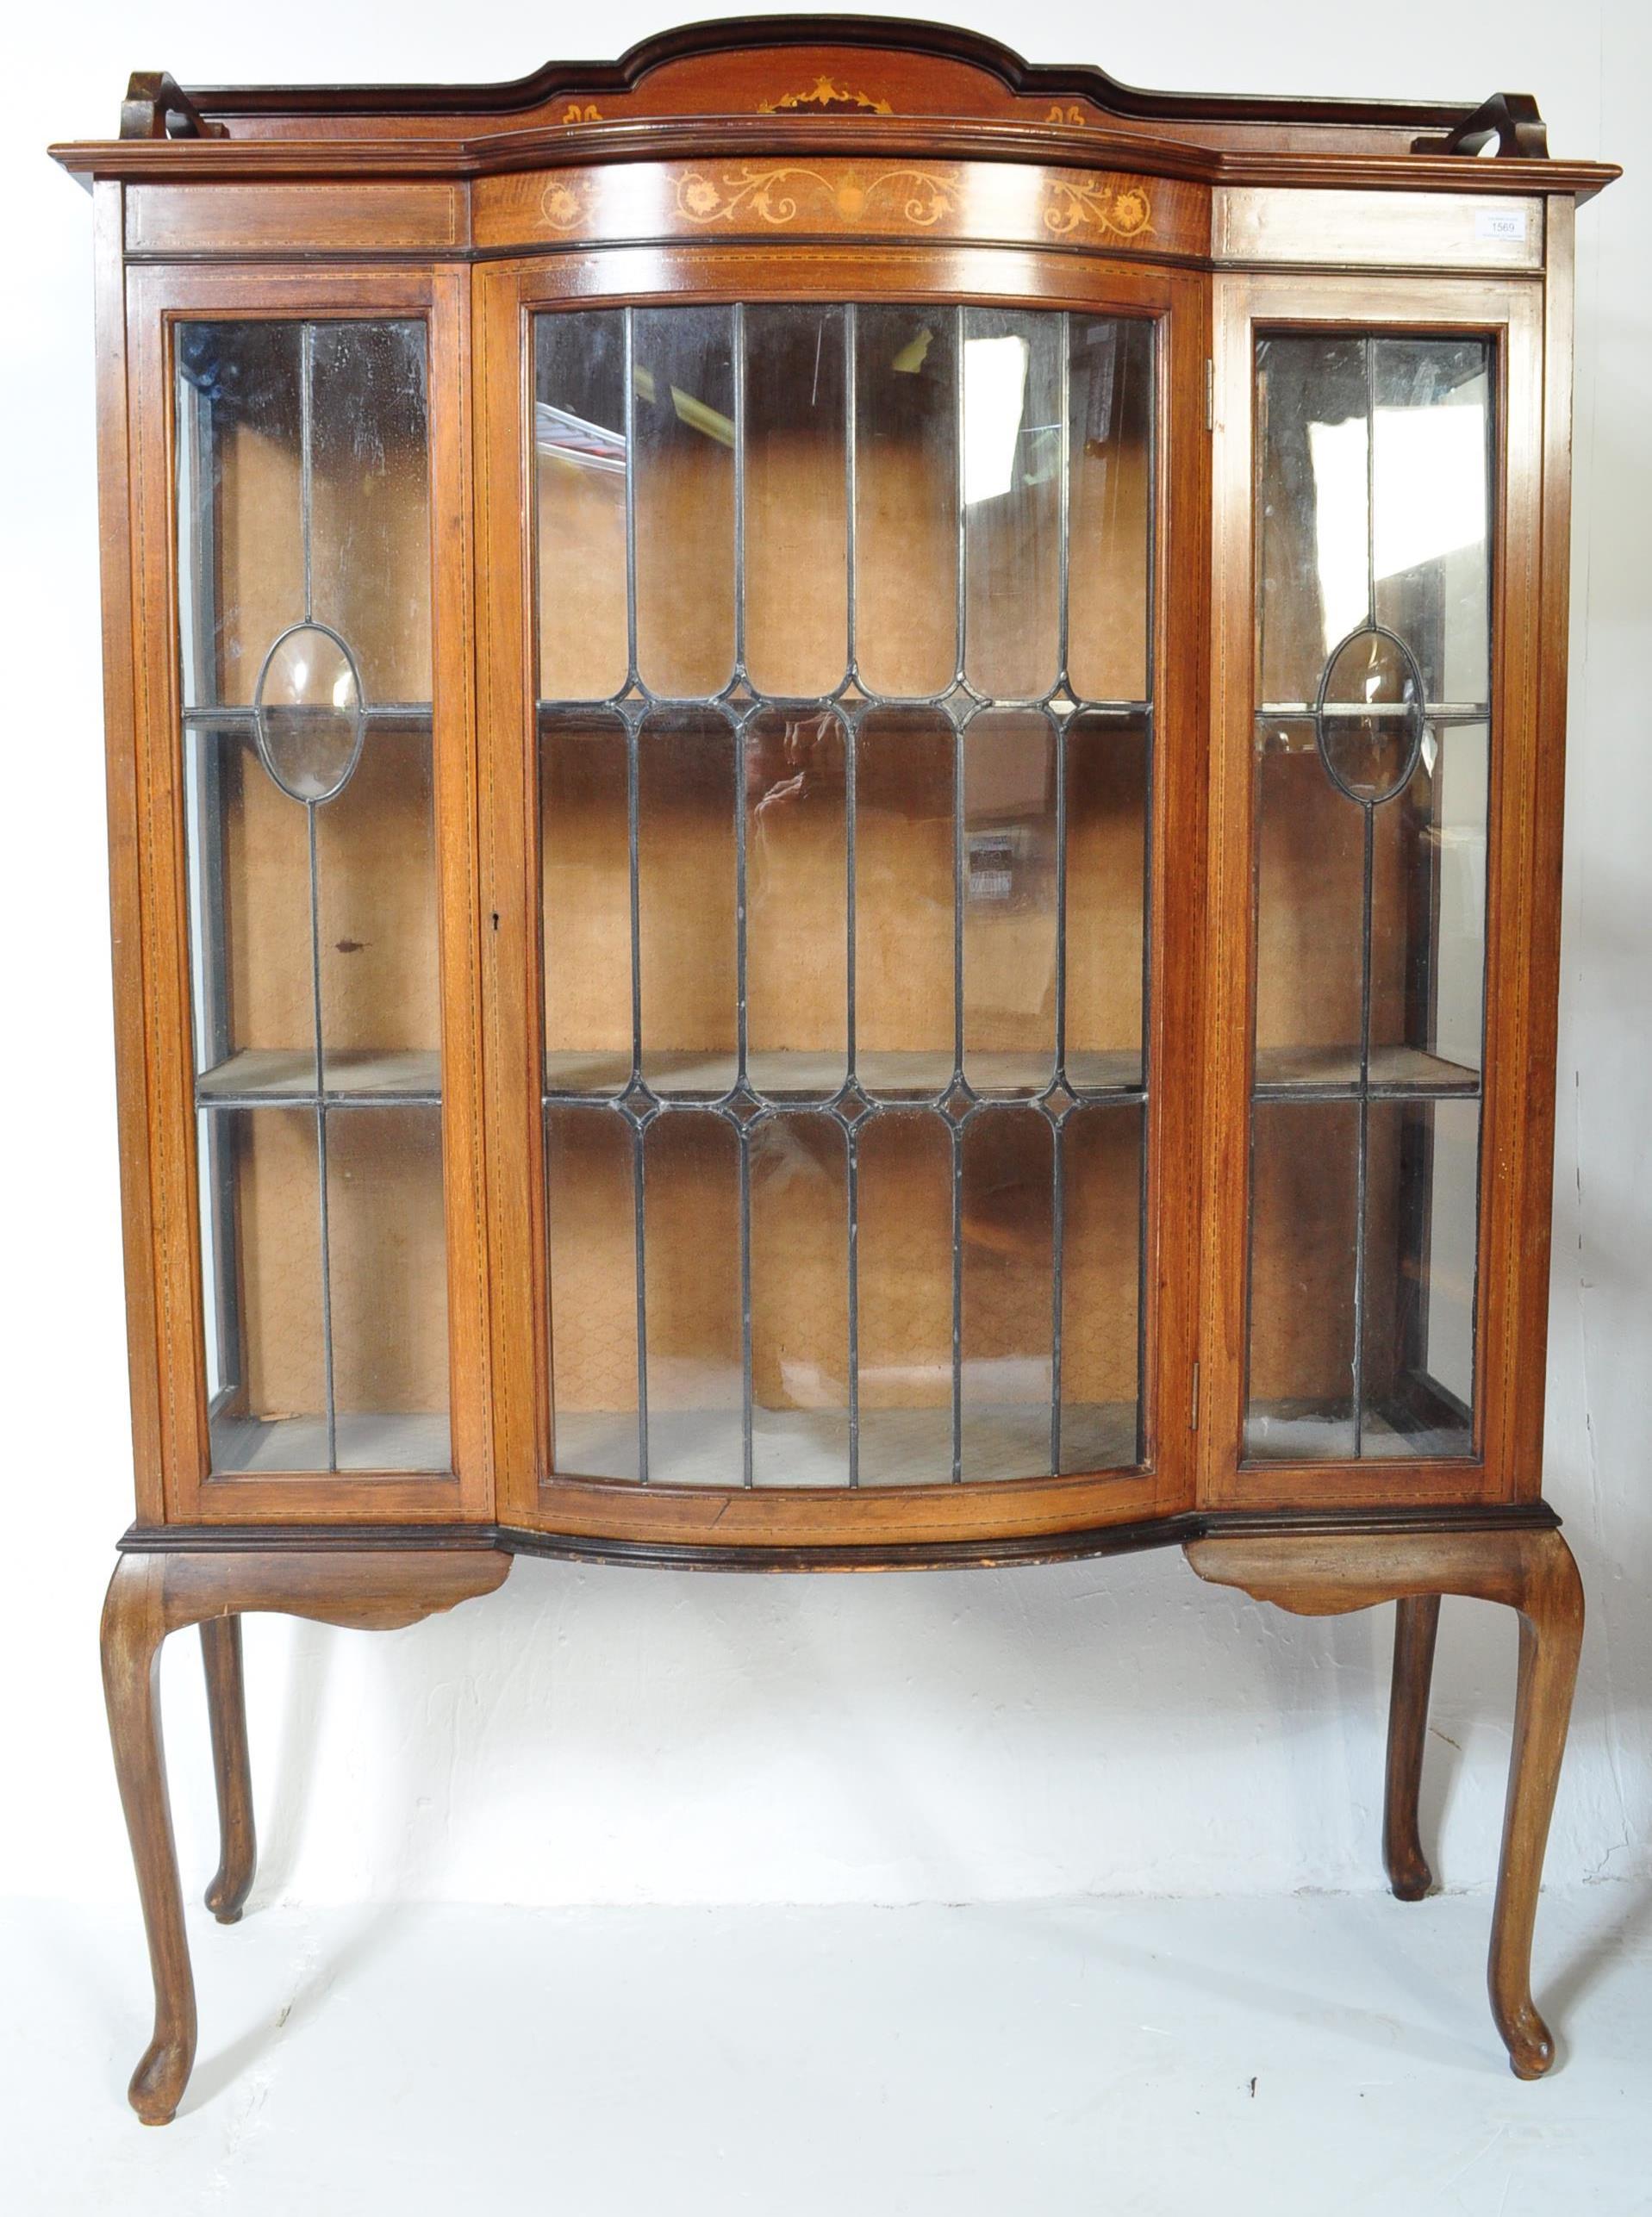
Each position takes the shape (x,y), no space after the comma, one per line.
(1006,1233)
(309,703)
(1371,796)
(797,535)
(800,1301)
(1110,477)
(905,499)
(579,485)
(686,883)
(268,1386)
(304,627)
(1304,1271)
(1106,890)
(904,1285)
(590,1163)
(1417,1366)
(682,471)
(1012,467)
(585,871)
(1100,1281)
(796,904)
(905,901)
(695,1370)
(387,1285)
(1009,901)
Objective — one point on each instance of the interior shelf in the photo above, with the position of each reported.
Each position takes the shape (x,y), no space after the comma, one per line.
(364,1440)
(287,1075)
(798,1074)
(805,1448)
(1282,1070)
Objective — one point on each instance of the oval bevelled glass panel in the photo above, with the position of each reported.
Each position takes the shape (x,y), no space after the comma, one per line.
(309,712)
(1369,714)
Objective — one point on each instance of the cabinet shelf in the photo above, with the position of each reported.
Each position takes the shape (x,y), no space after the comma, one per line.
(802,1076)
(1333,1073)
(284,1077)
(898,1446)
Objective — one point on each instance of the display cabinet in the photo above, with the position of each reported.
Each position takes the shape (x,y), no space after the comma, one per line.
(834,804)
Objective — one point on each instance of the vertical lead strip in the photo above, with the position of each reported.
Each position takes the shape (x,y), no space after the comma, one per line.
(852,774)
(1156,371)
(739,739)
(306,491)
(1368,858)
(961,587)
(1059,728)
(634,805)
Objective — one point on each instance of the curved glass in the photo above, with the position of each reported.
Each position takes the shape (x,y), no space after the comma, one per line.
(846,743)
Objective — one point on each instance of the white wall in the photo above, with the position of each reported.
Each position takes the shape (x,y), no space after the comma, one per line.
(594,1734)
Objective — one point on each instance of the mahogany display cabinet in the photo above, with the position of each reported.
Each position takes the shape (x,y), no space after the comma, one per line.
(835,776)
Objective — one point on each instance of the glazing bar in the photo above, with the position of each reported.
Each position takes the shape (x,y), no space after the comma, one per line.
(306,450)
(320,1144)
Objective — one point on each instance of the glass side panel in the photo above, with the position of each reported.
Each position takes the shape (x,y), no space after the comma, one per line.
(845,744)
(1371,753)
(304,616)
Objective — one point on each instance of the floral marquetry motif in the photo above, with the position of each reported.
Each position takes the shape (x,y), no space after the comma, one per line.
(781,196)
(829,97)
(1103,205)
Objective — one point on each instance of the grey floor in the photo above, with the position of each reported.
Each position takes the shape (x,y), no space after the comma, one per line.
(1294,2057)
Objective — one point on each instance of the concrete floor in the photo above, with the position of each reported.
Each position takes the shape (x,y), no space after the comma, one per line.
(1322,2054)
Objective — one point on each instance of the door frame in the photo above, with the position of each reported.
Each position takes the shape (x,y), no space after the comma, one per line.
(1523,862)
(158,297)
(507,294)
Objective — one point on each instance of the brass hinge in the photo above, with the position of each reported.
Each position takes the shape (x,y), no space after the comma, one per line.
(1193,1423)
(1210,394)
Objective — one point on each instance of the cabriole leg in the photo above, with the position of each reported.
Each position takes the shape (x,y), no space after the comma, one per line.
(370,1589)
(134,1625)
(1551,1638)
(1530,1571)
(220,1653)
(1417,1622)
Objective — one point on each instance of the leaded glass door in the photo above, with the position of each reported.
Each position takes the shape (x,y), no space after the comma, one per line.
(318,749)
(1378,463)
(846,732)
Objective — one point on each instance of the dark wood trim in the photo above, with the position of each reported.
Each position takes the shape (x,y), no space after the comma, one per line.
(1175,1531)
(735,137)
(878,33)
